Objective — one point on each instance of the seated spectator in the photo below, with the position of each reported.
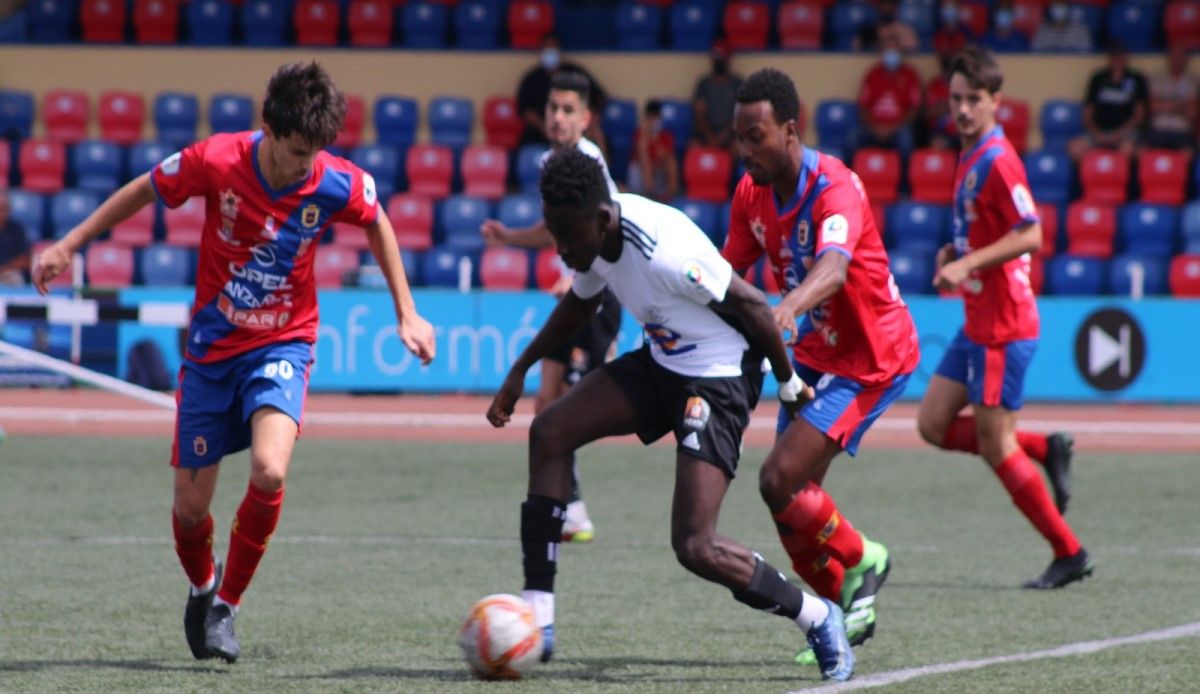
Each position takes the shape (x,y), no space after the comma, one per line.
(654,172)
(1114,107)
(1173,104)
(1061,33)
(890,29)
(14,246)
(889,101)
(940,132)
(713,100)
(1003,36)
(951,37)
(534,91)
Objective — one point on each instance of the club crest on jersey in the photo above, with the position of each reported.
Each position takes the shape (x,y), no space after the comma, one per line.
(229,203)
(693,273)
(970,181)
(696,412)
(759,230)
(802,232)
(200,446)
(226,233)
(310,216)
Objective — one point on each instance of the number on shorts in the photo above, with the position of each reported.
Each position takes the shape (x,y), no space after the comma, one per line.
(283,368)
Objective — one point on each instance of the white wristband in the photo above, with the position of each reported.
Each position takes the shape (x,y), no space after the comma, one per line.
(790,390)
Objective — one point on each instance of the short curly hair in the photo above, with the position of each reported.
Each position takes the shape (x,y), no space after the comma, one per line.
(769,84)
(571,178)
(301,98)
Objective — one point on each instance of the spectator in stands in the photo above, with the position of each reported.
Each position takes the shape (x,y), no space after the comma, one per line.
(14,246)
(951,37)
(889,101)
(713,100)
(890,29)
(534,91)
(940,132)
(1173,104)
(654,173)
(1003,36)
(1062,33)
(1114,108)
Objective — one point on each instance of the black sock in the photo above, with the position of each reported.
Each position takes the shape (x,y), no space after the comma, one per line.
(541,533)
(574,481)
(770,591)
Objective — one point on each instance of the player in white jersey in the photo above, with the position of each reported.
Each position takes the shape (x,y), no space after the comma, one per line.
(698,376)
(567,117)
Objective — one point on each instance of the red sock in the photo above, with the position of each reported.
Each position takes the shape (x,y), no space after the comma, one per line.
(194,547)
(961,436)
(814,516)
(1024,484)
(821,572)
(1033,444)
(252,527)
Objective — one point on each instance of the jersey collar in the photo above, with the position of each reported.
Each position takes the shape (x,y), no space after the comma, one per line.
(809,159)
(995,133)
(256,139)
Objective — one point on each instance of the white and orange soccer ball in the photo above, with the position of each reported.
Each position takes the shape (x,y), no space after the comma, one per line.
(500,638)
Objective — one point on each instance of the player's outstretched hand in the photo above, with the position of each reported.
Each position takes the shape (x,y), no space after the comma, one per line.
(417,335)
(49,264)
(494,232)
(785,320)
(505,400)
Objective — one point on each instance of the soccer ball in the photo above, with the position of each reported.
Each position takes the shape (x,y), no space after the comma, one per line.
(500,638)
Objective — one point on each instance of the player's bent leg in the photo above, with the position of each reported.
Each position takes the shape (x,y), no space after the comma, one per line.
(944,398)
(192,526)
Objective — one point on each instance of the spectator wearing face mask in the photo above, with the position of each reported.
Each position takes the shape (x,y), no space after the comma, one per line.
(1003,36)
(1061,32)
(534,91)
(1114,107)
(713,100)
(654,173)
(889,100)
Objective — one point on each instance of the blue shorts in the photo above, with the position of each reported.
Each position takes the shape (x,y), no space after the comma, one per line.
(215,401)
(843,409)
(994,376)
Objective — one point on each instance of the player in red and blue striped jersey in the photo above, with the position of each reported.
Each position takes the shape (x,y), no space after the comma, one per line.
(269,195)
(996,228)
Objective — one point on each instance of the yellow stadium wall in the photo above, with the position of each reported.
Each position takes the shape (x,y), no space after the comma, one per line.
(424,75)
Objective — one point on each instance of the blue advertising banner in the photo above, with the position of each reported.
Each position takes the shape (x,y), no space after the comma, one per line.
(1095,349)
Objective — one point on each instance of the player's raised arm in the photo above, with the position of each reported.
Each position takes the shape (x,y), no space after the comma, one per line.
(120,206)
(825,279)
(415,332)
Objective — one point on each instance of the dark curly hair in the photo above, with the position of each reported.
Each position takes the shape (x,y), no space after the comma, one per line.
(571,178)
(769,84)
(301,98)
(572,81)
(979,66)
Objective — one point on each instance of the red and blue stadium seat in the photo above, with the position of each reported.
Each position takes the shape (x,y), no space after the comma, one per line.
(620,123)
(846,20)
(425,24)
(351,133)
(28,209)
(1091,229)
(460,217)
(430,169)
(136,231)
(97,166)
(548,268)
(185,224)
(918,225)
(43,165)
(1050,175)
(316,22)
(102,21)
(69,207)
(230,113)
(529,166)
(176,116)
(638,26)
(1134,23)
(1190,227)
(913,269)
(1013,116)
(1048,214)
(693,25)
(451,120)
(411,216)
(1137,274)
(210,22)
(5,162)
(528,22)
(879,170)
(1149,229)
(164,265)
(922,17)
(264,22)
(382,162)
(746,24)
(144,156)
(931,175)
(973,17)
(1185,275)
(704,214)
(502,124)
(484,171)
(504,268)
(1181,21)
(156,21)
(1162,176)
(396,120)
(1037,274)
(65,113)
(333,264)
(1027,16)
(1104,176)
(122,115)
(801,24)
(50,20)
(1070,275)
(677,117)
(369,23)
(442,266)
(519,210)
(109,264)
(706,172)
(1060,121)
(16,114)
(836,124)
(477,24)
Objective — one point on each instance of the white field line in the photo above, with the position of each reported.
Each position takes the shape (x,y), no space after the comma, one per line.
(883,679)
(461,420)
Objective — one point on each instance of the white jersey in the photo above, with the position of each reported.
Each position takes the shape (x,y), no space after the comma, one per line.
(589,148)
(667,274)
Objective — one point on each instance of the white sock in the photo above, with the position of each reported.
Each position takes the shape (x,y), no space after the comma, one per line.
(208,585)
(813,611)
(543,605)
(234,608)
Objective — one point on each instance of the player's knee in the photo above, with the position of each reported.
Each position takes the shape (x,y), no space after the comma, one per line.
(932,432)
(191,511)
(694,551)
(268,475)
(774,485)
(546,436)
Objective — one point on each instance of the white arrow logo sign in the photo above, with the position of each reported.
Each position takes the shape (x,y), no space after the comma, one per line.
(1103,350)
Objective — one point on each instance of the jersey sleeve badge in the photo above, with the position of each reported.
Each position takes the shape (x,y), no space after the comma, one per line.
(835,229)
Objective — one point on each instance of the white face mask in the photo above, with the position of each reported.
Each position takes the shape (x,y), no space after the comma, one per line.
(891,59)
(550,58)
(1059,12)
(949,14)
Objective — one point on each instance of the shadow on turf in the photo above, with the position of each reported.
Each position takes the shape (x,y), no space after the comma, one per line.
(132,665)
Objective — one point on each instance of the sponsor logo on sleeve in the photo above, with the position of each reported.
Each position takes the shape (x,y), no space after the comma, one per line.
(835,229)
(369,194)
(1023,201)
(170,165)
(693,273)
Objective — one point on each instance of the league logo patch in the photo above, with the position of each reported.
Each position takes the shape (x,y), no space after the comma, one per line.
(970,181)
(369,194)
(835,229)
(200,446)
(170,165)
(693,273)
(759,230)
(1023,201)
(695,413)
(310,216)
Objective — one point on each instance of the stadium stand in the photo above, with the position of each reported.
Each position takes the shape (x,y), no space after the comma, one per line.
(185,224)
(411,216)
(164,265)
(801,24)
(316,22)
(477,24)
(1071,275)
(65,115)
(501,124)
(334,265)
(504,268)
(484,171)
(97,166)
(122,115)
(1091,229)
(879,170)
(42,165)
(425,24)
(102,21)
(931,175)
(1104,177)
(156,21)
(430,169)
(209,22)
(383,163)
(638,26)
(1162,176)
(528,21)
(369,23)
(230,113)
(109,264)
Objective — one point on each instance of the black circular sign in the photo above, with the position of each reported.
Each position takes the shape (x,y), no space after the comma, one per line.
(1110,349)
